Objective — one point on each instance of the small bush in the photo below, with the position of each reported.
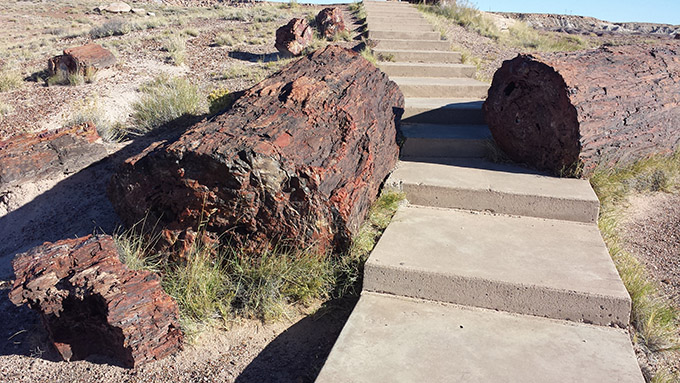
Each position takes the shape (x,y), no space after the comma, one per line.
(345,35)
(10,79)
(5,109)
(114,27)
(219,99)
(176,47)
(163,100)
(367,53)
(226,39)
(90,111)
(466,15)
(190,32)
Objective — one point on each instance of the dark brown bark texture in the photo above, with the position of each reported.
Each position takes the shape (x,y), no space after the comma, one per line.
(79,60)
(31,156)
(91,303)
(565,111)
(297,160)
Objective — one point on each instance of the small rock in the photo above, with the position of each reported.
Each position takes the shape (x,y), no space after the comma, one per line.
(91,303)
(330,22)
(117,7)
(152,14)
(294,37)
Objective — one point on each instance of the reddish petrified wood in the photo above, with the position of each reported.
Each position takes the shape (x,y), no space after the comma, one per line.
(294,37)
(298,158)
(330,22)
(81,60)
(91,303)
(31,156)
(565,110)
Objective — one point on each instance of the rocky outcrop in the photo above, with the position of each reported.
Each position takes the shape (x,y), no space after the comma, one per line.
(91,303)
(294,37)
(563,111)
(83,60)
(296,161)
(116,7)
(32,156)
(330,22)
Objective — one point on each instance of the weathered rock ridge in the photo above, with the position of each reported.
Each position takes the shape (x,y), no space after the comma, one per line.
(297,160)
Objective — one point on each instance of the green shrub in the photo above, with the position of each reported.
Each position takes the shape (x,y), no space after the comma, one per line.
(219,99)
(114,27)
(163,100)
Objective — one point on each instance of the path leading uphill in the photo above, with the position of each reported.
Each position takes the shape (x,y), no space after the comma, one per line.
(491,273)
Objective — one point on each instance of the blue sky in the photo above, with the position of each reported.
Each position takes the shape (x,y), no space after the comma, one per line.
(653,11)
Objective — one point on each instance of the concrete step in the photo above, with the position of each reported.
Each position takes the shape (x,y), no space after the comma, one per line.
(400,35)
(401,55)
(441,87)
(501,188)
(396,340)
(389,25)
(432,140)
(435,45)
(533,266)
(443,110)
(404,69)
(406,18)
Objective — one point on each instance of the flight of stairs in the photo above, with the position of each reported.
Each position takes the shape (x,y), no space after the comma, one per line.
(492,272)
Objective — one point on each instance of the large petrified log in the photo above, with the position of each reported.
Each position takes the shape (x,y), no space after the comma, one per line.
(91,303)
(84,60)
(563,111)
(330,22)
(294,37)
(297,159)
(31,156)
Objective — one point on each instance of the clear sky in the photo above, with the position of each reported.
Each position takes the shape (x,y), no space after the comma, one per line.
(652,11)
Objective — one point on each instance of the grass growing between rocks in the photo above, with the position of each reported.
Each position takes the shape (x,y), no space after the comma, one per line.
(519,35)
(655,320)
(213,285)
(163,100)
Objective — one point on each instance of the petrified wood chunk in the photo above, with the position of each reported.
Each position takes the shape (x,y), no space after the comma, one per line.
(30,156)
(330,21)
(294,37)
(569,110)
(91,303)
(298,159)
(81,60)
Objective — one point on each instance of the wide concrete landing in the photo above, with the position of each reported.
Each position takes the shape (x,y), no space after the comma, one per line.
(482,185)
(435,140)
(395,340)
(441,87)
(549,268)
(443,110)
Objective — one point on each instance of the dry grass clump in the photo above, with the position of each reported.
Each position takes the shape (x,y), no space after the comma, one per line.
(91,111)
(655,320)
(176,47)
(115,27)
(72,79)
(163,100)
(9,79)
(215,283)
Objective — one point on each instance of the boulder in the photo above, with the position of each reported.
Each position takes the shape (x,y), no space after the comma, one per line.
(86,59)
(296,161)
(572,111)
(116,7)
(294,37)
(330,22)
(32,156)
(91,303)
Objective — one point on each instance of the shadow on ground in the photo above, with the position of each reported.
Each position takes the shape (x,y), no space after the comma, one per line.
(298,354)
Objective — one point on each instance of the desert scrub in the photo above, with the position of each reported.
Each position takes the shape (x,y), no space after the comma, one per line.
(90,110)
(5,109)
(163,100)
(367,53)
(9,79)
(219,99)
(176,47)
(116,27)
(655,320)
(212,284)
(73,79)
(359,11)
(465,14)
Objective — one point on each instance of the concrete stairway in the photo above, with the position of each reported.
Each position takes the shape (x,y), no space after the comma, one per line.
(491,273)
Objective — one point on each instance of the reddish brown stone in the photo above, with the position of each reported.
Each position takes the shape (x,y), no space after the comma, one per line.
(31,156)
(294,37)
(298,159)
(91,303)
(330,22)
(567,110)
(84,59)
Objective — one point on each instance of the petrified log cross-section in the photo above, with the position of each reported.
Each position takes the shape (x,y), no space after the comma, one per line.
(91,303)
(297,160)
(564,110)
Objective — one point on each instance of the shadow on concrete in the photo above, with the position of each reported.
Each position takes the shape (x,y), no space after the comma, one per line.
(299,353)
(255,57)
